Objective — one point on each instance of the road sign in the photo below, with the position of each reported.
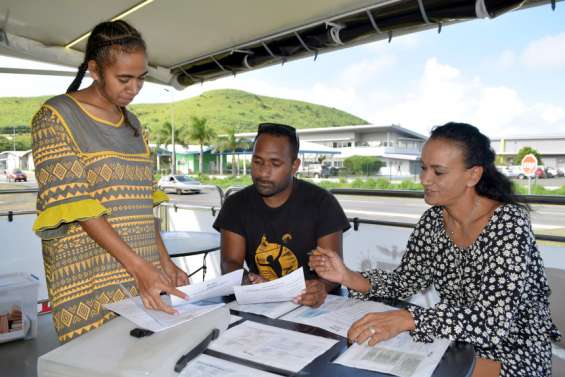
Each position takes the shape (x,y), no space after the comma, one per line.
(529,165)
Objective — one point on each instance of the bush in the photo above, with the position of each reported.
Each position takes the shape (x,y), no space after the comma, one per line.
(362,165)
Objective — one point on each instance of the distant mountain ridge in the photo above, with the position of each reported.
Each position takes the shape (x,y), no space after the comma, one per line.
(223,108)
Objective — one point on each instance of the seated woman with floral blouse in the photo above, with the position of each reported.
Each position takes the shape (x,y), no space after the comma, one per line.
(475,245)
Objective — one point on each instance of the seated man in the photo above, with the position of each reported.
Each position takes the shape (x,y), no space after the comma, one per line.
(274,223)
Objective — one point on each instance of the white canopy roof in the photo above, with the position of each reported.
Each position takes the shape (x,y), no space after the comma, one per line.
(190,41)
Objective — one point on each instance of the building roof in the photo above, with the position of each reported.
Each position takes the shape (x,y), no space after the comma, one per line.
(530,137)
(180,150)
(358,129)
(17,153)
(308,147)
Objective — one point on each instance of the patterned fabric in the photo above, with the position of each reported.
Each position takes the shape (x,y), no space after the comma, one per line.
(494,294)
(86,168)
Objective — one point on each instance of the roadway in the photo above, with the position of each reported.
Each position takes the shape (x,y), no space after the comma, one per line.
(547,219)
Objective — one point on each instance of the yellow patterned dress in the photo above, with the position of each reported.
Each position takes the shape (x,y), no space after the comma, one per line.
(85,168)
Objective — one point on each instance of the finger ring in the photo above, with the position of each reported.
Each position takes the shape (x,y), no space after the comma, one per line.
(372,330)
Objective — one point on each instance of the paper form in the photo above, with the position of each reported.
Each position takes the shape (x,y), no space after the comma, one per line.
(282,289)
(133,310)
(280,348)
(400,356)
(339,321)
(221,286)
(309,316)
(208,366)
(268,309)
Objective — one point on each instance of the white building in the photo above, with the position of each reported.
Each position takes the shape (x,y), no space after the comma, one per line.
(10,160)
(398,147)
(550,147)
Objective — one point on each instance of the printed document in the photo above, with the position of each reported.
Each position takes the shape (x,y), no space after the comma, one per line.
(154,320)
(280,348)
(268,309)
(221,286)
(339,321)
(208,366)
(281,289)
(310,316)
(399,356)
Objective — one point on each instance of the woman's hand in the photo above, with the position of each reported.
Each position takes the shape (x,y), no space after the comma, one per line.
(177,276)
(150,283)
(328,265)
(380,326)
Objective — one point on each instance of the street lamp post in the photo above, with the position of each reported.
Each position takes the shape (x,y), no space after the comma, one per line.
(174,157)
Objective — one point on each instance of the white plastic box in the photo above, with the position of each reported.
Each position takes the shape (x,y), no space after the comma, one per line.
(18,306)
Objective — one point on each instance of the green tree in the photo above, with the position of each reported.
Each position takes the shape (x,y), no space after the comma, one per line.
(220,146)
(202,133)
(524,151)
(232,145)
(362,165)
(164,135)
(5,144)
(23,142)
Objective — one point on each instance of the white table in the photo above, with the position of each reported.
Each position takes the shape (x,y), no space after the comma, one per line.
(189,243)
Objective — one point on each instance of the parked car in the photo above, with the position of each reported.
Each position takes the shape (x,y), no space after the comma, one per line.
(550,172)
(560,172)
(509,171)
(179,184)
(540,172)
(16,175)
(315,171)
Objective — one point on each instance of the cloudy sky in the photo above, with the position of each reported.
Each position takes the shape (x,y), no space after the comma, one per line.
(506,76)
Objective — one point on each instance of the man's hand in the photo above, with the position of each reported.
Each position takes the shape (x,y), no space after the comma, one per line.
(256,278)
(314,295)
(380,326)
(177,276)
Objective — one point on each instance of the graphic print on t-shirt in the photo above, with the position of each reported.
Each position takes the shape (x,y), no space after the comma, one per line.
(275,260)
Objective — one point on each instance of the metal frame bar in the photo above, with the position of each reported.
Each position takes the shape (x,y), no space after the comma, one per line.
(533,199)
(285,32)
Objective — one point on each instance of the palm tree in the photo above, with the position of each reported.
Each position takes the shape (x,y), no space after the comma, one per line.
(221,145)
(232,144)
(200,132)
(163,136)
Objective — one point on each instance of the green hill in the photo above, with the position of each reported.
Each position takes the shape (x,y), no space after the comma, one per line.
(226,108)
(17,111)
(223,108)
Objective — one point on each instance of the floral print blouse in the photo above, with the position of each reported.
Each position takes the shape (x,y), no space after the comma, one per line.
(493,294)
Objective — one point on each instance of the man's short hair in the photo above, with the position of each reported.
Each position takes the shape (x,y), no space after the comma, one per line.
(278,129)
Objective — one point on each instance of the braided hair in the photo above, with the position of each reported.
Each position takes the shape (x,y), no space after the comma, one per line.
(478,152)
(106,38)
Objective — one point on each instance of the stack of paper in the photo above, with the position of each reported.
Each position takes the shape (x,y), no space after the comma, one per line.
(133,310)
(400,356)
(282,289)
(208,366)
(218,287)
(279,348)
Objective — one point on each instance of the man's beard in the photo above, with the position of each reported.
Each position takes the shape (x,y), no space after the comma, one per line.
(268,189)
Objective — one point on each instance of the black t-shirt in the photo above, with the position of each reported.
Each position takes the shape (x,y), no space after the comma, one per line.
(278,239)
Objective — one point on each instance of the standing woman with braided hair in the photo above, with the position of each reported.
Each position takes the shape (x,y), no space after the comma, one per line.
(96,196)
